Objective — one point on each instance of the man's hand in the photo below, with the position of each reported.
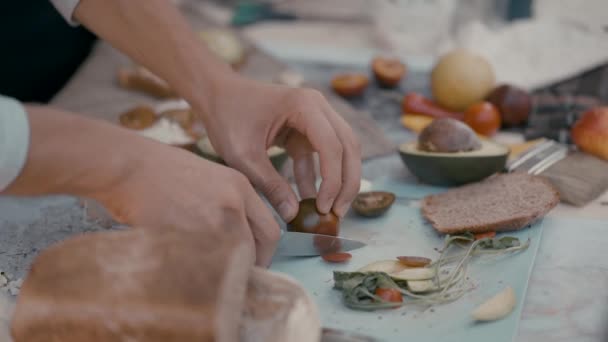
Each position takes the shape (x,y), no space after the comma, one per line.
(141,182)
(243,117)
(248,117)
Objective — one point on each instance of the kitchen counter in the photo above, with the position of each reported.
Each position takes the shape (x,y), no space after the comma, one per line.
(566,299)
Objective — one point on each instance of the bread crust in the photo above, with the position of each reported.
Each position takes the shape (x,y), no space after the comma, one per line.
(431,202)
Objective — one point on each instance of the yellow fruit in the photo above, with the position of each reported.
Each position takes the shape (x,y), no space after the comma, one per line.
(460,79)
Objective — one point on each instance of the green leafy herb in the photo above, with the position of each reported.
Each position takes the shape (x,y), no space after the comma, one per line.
(358,289)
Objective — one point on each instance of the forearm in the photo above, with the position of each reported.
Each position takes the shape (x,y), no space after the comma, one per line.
(156,35)
(70,154)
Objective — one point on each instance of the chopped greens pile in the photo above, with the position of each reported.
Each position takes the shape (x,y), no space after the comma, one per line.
(444,284)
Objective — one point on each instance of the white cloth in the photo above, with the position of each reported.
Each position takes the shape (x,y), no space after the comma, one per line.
(14,140)
(66,8)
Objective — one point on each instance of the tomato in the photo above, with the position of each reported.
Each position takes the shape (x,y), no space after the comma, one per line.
(483,117)
(336,258)
(389,295)
(349,85)
(414,261)
(388,71)
(479,236)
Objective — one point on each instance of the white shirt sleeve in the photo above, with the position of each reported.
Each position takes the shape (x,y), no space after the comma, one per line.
(66,8)
(14,140)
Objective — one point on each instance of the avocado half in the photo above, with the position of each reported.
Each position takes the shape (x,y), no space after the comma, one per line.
(277,155)
(456,168)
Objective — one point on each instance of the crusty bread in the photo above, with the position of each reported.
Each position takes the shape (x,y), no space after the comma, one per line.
(278,309)
(136,285)
(500,203)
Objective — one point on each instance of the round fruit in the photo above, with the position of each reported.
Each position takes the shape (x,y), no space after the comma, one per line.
(460,79)
(138,118)
(309,220)
(349,85)
(388,71)
(389,295)
(373,203)
(514,104)
(483,118)
(448,135)
(590,132)
(414,261)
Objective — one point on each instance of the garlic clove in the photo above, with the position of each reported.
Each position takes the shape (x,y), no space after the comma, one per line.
(497,307)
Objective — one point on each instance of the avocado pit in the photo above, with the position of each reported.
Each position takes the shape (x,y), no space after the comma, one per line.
(448,135)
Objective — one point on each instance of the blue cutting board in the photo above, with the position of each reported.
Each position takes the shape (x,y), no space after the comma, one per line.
(403,231)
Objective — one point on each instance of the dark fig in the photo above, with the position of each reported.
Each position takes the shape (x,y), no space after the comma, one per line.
(309,220)
(373,203)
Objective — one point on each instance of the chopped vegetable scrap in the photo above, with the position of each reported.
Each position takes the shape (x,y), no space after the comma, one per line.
(417,279)
(336,258)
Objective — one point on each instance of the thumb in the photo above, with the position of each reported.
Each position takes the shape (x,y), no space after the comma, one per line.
(265,178)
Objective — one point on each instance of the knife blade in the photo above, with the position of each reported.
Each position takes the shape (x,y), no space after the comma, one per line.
(335,335)
(305,244)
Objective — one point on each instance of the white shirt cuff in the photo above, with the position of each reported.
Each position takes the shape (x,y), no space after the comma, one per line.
(14,140)
(66,8)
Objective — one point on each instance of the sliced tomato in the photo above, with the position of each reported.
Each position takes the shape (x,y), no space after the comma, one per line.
(389,295)
(479,236)
(414,261)
(336,257)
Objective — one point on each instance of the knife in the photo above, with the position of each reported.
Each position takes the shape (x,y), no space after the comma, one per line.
(305,244)
(335,335)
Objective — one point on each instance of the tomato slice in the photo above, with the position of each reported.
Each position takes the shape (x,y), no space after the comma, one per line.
(389,295)
(414,261)
(479,236)
(336,258)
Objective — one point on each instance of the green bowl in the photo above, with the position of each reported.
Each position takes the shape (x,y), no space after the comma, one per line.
(277,155)
(447,169)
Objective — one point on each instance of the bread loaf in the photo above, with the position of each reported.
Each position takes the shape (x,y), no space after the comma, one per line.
(136,285)
(278,309)
(499,203)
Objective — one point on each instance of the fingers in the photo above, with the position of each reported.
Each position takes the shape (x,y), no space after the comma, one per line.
(303,164)
(322,136)
(258,168)
(266,231)
(351,161)
(304,172)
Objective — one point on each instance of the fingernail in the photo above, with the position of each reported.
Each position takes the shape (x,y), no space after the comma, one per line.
(325,207)
(287,211)
(341,211)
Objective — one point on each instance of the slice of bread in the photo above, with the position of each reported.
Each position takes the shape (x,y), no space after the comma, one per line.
(500,203)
